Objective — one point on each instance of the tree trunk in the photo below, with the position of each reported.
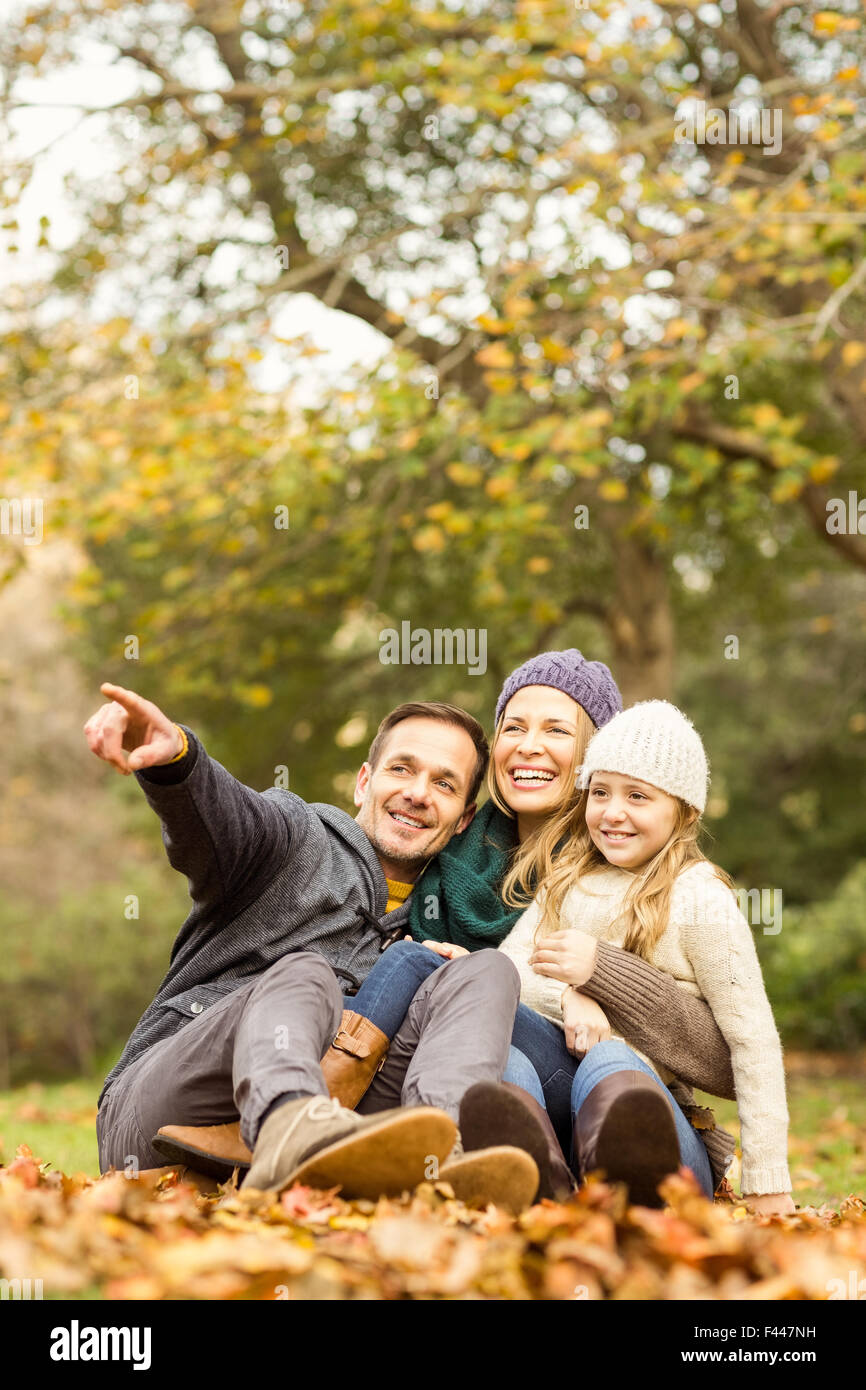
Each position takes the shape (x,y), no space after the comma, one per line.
(640,623)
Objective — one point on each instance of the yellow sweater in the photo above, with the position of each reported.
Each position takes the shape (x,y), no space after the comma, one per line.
(397,893)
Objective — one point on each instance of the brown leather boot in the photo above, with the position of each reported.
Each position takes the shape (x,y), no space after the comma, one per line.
(626,1127)
(353,1059)
(493,1113)
(212,1149)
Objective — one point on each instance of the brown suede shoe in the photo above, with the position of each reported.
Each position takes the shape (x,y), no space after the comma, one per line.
(316,1141)
(626,1128)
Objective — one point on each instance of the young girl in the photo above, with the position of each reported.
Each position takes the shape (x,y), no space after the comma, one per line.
(633,876)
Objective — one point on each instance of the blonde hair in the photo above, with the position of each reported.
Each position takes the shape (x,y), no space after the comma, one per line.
(645,910)
(533,860)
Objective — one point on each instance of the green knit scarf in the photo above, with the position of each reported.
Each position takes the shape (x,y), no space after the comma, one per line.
(457,897)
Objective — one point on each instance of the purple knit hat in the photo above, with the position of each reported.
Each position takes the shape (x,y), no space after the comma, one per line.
(588,682)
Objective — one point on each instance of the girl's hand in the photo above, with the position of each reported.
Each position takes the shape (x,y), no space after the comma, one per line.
(446,949)
(770,1203)
(585,1022)
(568,956)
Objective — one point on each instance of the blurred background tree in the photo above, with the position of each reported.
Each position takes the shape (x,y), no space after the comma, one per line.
(619,374)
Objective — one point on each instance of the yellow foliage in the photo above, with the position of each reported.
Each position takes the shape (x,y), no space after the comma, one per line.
(823,468)
(852,353)
(256,696)
(555,351)
(766,415)
(518,306)
(429,540)
(463,474)
(677,328)
(613,490)
(500,383)
(499,487)
(495,355)
(438,511)
(491,324)
(786,490)
(594,419)
(539,564)
(690,382)
(830,22)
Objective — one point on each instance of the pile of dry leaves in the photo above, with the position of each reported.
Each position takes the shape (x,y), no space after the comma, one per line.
(159,1238)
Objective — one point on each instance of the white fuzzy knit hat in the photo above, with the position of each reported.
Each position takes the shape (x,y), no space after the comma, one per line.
(656,743)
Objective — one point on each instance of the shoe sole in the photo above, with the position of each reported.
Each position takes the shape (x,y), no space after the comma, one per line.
(505,1176)
(490,1115)
(638,1145)
(380,1161)
(199,1159)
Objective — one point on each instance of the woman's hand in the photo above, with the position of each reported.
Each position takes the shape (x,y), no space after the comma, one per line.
(568,956)
(585,1022)
(446,949)
(770,1203)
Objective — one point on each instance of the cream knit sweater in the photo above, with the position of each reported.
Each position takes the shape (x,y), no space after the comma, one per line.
(708,948)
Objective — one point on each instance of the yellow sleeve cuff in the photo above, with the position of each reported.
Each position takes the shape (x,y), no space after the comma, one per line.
(183,752)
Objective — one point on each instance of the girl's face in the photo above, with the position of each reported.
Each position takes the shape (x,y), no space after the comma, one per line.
(628,820)
(533,755)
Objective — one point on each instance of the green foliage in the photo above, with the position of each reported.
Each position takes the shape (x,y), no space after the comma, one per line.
(815,969)
(74,980)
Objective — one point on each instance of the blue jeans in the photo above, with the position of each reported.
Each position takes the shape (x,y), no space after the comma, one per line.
(541,1064)
(539,1061)
(390,987)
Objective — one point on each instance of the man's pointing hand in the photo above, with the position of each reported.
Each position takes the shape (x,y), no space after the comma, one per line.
(133,726)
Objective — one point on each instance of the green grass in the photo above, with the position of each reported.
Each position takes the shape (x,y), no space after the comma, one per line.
(57,1121)
(827,1149)
(826,1138)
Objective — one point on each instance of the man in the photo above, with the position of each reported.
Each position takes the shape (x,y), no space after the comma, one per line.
(284,895)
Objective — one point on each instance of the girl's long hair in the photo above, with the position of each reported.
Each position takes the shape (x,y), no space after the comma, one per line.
(533,860)
(645,910)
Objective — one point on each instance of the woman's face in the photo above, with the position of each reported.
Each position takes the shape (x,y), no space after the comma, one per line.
(628,820)
(533,755)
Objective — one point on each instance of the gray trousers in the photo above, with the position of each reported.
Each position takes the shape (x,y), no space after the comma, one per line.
(269,1037)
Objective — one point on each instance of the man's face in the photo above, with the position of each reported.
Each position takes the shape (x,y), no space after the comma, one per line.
(414,800)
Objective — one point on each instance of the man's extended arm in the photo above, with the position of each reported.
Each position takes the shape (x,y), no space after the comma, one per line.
(663,1020)
(226,838)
